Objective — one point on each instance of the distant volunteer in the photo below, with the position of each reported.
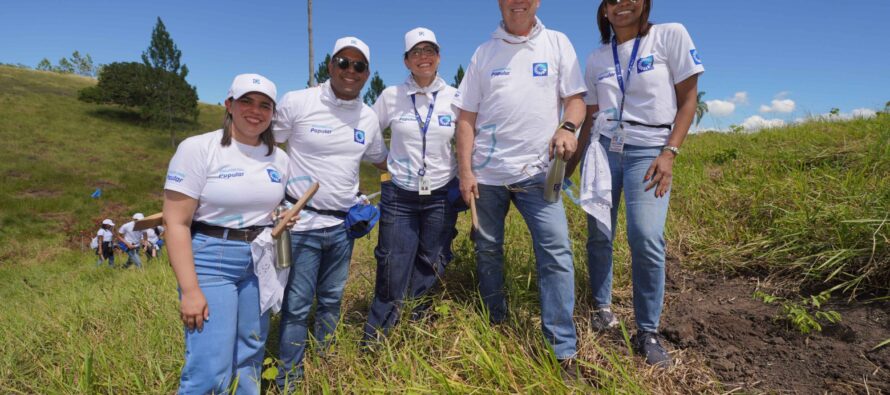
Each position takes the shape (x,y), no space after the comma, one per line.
(105,243)
(153,237)
(643,84)
(133,240)
(328,131)
(417,219)
(221,190)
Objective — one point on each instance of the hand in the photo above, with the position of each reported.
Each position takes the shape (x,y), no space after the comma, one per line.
(291,223)
(193,310)
(469,189)
(563,144)
(660,173)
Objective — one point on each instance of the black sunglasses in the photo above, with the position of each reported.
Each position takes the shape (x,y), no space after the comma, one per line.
(616,2)
(343,63)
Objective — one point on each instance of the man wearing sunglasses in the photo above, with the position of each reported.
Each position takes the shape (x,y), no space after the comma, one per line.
(328,131)
(517,85)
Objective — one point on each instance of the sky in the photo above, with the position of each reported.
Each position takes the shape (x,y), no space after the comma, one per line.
(767,62)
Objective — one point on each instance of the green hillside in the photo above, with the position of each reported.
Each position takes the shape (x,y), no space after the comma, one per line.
(808,204)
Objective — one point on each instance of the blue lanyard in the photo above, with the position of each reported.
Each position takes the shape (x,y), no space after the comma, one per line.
(623,82)
(424,127)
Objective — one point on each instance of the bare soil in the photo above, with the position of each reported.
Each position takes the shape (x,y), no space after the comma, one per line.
(751,349)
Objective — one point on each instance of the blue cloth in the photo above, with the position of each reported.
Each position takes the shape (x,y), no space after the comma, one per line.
(318,275)
(413,249)
(232,342)
(646,217)
(360,220)
(553,257)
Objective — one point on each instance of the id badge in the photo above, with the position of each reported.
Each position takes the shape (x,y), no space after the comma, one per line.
(617,144)
(424,184)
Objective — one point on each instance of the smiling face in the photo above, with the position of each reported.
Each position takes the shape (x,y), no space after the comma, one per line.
(251,116)
(625,14)
(423,61)
(346,83)
(519,15)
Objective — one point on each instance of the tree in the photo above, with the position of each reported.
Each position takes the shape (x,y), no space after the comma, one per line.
(65,67)
(458,77)
(700,109)
(834,112)
(887,108)
(321,75)
(83,65)
(374,90)
(162,53)
(121,83)
(45,65)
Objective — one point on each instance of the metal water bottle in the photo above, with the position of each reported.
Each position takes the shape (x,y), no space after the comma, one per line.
(282,243)
(555,175)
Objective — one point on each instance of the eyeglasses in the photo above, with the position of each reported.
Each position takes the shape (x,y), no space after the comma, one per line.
(343,63)
(417,52)
(616,2)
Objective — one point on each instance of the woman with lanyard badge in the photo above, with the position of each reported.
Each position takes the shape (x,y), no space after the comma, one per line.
(642,85)
(221,188)
(417,219)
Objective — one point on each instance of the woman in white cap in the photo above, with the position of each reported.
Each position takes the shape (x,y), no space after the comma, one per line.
(220,191)
(416,216)
(105,243)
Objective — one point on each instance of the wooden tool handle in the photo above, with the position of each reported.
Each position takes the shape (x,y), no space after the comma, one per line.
(473,215)
(289,214)
(151,221)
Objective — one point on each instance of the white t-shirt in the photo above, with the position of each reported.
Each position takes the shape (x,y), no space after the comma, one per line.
(152,236)
(516,85)
(666,57)
(236,186)
(130,235)
(327,138)
(105,235)
(395,110)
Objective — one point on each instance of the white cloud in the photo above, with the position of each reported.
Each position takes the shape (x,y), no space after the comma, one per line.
(757,122)
(740,98)
(865,113)
(782,95)
(720,108)
(779,105)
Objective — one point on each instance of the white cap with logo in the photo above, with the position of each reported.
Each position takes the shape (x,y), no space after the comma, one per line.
(107,222)
(352,42)
(138,216)
(419,35)
(246,83)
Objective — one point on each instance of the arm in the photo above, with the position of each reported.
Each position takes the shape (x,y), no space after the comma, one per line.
(121,238)
(465,137)
(660,173)
(381,166)
(178,212)
(583,140)
(563,143)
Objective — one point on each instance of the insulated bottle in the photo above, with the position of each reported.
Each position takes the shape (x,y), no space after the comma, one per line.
(555,175)
(282,243)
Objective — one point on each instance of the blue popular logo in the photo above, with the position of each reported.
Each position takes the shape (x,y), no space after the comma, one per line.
(539,69)
(501,72)
(646,64)
(444,120)
(359,136)
(695,56)
(175,176)
(274,175)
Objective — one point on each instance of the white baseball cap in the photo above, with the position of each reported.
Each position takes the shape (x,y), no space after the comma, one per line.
(138,216)
(419,35)
(352,42)
(246,83)
(107,222)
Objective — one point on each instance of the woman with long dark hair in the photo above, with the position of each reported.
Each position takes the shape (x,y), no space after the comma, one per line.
(642,85)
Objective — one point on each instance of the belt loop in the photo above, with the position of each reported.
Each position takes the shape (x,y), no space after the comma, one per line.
(225,235)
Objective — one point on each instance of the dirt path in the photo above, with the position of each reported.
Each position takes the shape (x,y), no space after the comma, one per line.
(749,350)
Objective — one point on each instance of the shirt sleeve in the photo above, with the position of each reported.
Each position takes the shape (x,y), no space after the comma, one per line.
(590,80)
(469,94)
(376,151)
(571,80)
(187,173)
(124,228)
(285,114)
(683,58)
(381,108)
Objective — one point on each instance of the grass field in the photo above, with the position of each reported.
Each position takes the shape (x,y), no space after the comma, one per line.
(807,204)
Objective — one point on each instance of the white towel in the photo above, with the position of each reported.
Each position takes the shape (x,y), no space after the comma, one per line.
(272,281)
(596,181)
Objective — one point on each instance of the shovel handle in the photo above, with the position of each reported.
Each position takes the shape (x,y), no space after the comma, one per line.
(289,214)
(473,214)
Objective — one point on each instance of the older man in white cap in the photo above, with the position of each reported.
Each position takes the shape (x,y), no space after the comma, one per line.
(328,131)
(133,240)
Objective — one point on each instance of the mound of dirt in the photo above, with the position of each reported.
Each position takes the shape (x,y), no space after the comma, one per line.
(751,350)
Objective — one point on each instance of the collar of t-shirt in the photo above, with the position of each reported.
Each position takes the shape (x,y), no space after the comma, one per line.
(328,97)
(502,34)
(437,85)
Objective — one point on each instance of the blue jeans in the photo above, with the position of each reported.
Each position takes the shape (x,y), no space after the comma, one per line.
(553,257)
(318,274)
(414,240)
(231,345)
(645,216)
(133,258)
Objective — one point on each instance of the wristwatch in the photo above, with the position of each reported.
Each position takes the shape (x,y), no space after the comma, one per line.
(671,148)
(568,126)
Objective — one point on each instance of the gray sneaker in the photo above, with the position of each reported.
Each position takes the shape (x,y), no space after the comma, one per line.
(648,344)
(603,320)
